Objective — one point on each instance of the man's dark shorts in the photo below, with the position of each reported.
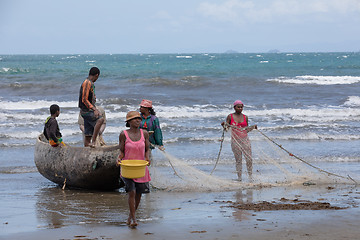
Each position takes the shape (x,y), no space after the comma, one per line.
(131,185)
(89,122)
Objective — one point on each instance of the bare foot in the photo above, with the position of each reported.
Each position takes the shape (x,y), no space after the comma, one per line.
(92,145)
(132,222)
(128,222)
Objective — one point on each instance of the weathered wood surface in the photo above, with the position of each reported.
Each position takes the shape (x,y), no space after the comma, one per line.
(90,168)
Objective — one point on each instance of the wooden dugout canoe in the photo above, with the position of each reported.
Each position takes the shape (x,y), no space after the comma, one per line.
(89,168)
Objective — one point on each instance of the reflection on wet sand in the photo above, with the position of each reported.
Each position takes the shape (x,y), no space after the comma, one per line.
(244,196)
(56,208)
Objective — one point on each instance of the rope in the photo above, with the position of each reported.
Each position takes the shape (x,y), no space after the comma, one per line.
(222,140)
(157,146)
(221,144)
(309,164)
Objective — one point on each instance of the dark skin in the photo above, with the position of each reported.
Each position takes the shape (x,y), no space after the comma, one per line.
(90,140)
(134,134)
(145,112)
(239,117)
(55,115)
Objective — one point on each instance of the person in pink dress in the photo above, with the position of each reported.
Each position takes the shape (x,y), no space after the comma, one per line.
(134,144)
(240,143)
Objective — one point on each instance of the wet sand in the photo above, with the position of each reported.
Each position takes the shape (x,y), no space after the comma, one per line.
(301,212)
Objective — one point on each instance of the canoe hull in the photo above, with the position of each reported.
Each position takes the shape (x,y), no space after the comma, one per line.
(90,168)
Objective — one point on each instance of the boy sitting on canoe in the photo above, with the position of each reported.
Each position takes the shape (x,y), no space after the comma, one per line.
(51,128)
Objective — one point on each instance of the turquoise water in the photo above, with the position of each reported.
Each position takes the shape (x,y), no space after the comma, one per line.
(307,102)
(308,98)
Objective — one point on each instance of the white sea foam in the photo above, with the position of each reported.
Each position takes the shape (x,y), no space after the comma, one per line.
(353,101)
(317,136)
(327,114)
(195,111)
(312,136)
(21,135)
(315,114)
(116,130)
(117,115)
(32,105)
(303,125)
(25,117)
(183,56)
(71,57)
(317,80)
(172,112)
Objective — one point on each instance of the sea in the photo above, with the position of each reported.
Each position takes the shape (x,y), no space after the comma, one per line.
(309,103)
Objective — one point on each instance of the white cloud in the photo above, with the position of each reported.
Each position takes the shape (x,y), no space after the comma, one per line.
(228,11)
(245,11)
(162,15)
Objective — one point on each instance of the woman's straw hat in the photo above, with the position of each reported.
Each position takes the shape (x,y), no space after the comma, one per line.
(131,115)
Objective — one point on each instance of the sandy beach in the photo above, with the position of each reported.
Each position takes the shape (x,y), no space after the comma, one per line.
(191,215)
(307,103)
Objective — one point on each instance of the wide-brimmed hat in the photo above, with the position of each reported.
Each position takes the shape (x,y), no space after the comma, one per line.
(146,103)
(131,115)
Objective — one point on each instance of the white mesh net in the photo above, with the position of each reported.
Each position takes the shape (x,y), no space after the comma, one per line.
(265,165)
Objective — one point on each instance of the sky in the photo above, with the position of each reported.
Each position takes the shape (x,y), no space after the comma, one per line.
(183,26)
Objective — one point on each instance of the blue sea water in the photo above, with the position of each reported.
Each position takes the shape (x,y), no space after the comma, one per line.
(307,102)
(310,101)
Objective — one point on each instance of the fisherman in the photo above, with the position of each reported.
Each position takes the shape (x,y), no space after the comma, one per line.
(92,116)
(51,128)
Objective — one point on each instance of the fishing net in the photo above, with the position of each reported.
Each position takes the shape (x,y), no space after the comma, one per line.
(260,162)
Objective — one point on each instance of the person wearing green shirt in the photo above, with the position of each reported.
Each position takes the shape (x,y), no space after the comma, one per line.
(151,123)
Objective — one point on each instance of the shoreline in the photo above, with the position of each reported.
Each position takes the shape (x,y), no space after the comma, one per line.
(207,215)
(288,225)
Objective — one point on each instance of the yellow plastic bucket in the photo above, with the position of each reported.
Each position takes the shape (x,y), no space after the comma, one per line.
(133,168)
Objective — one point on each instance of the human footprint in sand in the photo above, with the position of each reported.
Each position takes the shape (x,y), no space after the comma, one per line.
(134,144)
(240,143)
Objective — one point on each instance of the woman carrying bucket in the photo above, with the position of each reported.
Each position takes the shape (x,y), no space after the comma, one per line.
(134,144)
(240,143)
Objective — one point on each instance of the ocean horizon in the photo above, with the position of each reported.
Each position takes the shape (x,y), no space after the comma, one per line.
(309,103)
